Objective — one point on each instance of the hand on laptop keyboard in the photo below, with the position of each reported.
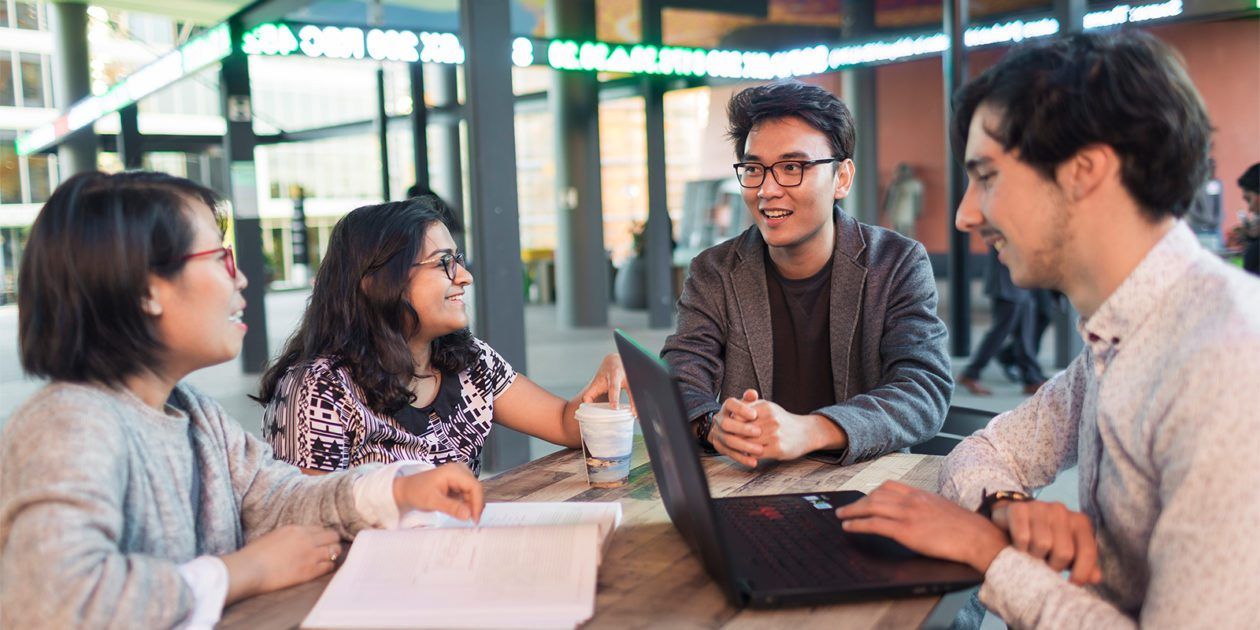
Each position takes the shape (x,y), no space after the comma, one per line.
(927,523)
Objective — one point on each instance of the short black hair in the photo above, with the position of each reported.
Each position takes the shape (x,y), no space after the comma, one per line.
(819,109)
(86,269)
(1127,90)
(1250,179)
(358,313)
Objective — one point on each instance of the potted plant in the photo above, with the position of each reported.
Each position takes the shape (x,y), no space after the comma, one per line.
(630,285)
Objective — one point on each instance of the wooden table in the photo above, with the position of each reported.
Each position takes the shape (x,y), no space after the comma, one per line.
(649,577)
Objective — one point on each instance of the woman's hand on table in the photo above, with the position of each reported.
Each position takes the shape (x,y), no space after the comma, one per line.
(279,559)
(449,488)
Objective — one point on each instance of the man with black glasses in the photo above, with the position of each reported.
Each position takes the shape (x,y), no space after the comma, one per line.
(810,333)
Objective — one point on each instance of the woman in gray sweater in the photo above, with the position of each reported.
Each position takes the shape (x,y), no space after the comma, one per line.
(128,499)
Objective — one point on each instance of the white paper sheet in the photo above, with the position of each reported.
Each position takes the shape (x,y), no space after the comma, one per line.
(520,569)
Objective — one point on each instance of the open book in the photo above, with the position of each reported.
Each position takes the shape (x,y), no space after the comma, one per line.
(527,565)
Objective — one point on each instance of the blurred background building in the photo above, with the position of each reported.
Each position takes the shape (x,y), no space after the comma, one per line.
(342,172)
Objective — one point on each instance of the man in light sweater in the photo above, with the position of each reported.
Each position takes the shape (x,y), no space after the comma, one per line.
(1083,153)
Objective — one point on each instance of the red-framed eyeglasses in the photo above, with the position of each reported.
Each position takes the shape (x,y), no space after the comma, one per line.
(229,258)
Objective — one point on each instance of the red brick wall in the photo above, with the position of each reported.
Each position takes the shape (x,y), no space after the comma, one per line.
(1221,58)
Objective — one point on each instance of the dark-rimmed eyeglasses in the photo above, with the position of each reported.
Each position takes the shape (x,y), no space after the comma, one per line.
(447,262)
(229,258)
(787,173)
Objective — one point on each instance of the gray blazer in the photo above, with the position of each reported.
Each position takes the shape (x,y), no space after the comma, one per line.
(887,343)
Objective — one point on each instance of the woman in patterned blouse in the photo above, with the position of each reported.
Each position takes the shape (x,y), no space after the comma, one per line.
(383,367)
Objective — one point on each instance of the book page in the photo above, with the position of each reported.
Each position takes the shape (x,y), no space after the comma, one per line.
(606,515)
(464,577)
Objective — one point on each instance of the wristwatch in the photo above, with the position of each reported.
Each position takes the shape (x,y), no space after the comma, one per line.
(991,499)
(704,424)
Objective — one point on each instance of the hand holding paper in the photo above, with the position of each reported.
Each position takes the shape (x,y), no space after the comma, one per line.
(450,488)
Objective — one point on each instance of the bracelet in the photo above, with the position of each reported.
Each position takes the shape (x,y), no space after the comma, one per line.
(989,500)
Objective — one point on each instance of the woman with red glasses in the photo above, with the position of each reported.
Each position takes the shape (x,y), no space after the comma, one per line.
(383,367)
(127,498)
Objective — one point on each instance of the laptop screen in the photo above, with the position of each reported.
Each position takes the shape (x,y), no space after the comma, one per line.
(675,457)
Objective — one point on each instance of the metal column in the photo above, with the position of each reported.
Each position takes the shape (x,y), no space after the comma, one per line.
(496,236)
(382,131)
(419,127)
(1071,15)
(581,264)
(859,94)
(238,149)
(659,237)
(130,142)
(71,82)
(858,87)
(1067,341)
(450,155)
(954,65)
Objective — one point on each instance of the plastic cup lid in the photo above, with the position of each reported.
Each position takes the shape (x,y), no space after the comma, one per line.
(603,412)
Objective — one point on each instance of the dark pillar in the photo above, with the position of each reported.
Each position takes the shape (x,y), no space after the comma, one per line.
(419,127)
(496,235)
(659,246)
(450,149)
(581,267)
(955,69)
(297,238)
(130,142)
(1067,341)
(859,94)
(238,149)
(1071,15)
(382,131)
(71,82)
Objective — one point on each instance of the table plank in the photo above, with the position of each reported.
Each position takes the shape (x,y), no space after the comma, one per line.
(649,576)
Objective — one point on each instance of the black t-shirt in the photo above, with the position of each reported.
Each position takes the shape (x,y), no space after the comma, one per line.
(800,318)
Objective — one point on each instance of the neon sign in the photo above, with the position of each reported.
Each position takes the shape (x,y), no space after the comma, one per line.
(336,42)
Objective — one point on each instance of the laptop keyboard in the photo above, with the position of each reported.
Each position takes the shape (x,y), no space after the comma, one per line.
(793,543)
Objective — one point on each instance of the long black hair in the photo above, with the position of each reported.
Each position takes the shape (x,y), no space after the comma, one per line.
(86,269)
(358,313)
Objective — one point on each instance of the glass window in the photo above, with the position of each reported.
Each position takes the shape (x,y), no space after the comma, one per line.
(4,13)
(40,169)
(10,175)
(27,15)
(8,95)
(32,81)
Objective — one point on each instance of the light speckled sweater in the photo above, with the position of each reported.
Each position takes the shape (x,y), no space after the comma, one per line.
(1160,414)
(96,510)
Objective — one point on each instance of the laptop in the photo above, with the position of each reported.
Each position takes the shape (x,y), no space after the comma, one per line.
(774,550)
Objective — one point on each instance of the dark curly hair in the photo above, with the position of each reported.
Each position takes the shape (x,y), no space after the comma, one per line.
(1250,179)
(358,313)
(780,99)
(1127,90)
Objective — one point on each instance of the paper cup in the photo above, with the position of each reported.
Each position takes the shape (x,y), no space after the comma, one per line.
(607,438)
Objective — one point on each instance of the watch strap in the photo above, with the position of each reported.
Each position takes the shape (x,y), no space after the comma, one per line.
(993,498)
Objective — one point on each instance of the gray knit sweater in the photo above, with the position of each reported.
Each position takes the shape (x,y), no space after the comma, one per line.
(96,508)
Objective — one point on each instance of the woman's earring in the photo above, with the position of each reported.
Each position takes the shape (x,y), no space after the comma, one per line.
(150,306)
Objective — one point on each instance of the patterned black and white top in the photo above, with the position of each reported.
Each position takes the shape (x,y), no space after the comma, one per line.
(319,418)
